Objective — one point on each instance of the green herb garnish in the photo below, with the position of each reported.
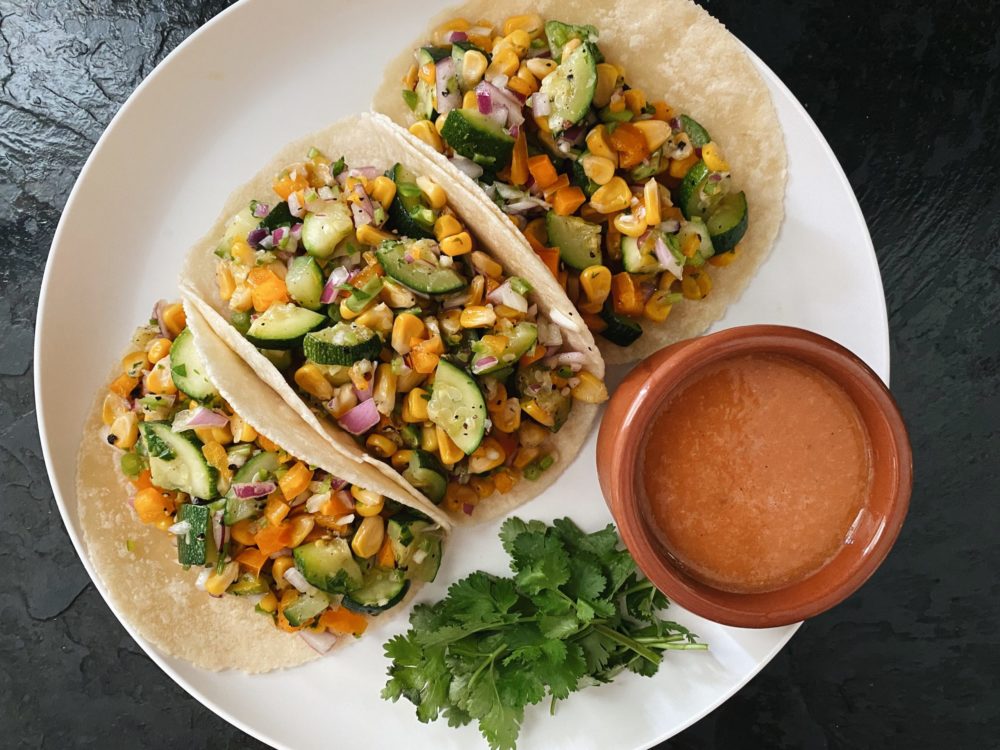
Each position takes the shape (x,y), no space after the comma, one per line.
(576,612)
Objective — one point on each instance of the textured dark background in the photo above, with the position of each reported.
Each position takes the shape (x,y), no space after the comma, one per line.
(908,99)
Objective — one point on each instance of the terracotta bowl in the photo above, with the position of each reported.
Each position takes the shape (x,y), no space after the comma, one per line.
(636,402)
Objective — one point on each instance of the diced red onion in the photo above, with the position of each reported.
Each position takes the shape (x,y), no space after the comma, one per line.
(667,259)
(484,101)
(261,210)
(365,394)
(499,115)
(338,276)
(499,97)
(255,236)
(295,207)
(456,36)
(294,577)
(361,418)
(180,528)
(344,520)
(199,417)
(532,311)
(369,173)
(539,52)
(467,508)
(296,230)
(670,226)
(575,360)
(218,529)
(202,579)
(320,642)
(483,364)
(267,243)
(250,490)
(505,295)
(458,299)
(278,234)
(158,309)
(449,96)
(541,105)
(363,210)
(675,124)
(336,483)
(283,552)
(501,81)
(314,503)
(467,166)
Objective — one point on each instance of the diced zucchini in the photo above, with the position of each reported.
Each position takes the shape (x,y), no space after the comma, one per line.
(329,565)
(305,282)
(728,222)
(418,275)
(579,241)
(342,344)
(558,33)
(698,135)
(187,370)
(409,213)
(176,461)
(570,88)
(519,341)
(323,231)
(477,137)
(620,330)
(247,584)
(427,475)
(382,589)
(305,608)
(283,326)
(534,383)
(416,545)
(192,547)
(457,406)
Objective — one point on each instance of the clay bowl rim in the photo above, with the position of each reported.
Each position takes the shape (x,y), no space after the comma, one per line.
(792,603)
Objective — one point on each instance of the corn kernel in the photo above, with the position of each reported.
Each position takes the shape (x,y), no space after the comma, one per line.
(268,603)
(571,45)
(469,99)
(615,196)
(607,82)
(724,259)
(518,40)
(530,22)
(427,73)
(310,379)
(489,455)
(537,412)
(590,389)
(457,496)
(713,158)
(457,244)
(651,201)
(447,225)
(378,318)
(160,381)
(434,193)
(366,502)
(504,480)
(635,100)
(505,62)
(531,434)
(449,452)
(595,281)
(631,225)
(441,33)
(134,363)
(600,169)
(428,438)
(474,65)
(656,132)
(425,131)
(410,79)
(369,234)
(113,407)
(486,265)
(278,568)
(125,430)
(158,349)
(174,319)
(241,252)
(153,505)
(599,144)
(369,536)
(415,407)
(384,392)
(405,328)
(383,190)
(657,307)
(478,316)
(540,66)
(522,87)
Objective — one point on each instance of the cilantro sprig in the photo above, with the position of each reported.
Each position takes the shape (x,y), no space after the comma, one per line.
(576,612)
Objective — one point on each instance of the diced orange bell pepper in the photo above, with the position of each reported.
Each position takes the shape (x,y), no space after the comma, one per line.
(543,172)
(385,557)
(123,385)
(533,356)
(343,622)
(519,162)
(276,509)
(506,440)
(272,538)
(266,289)
(550,257)
(561,182)
(567,200)
(662,111)
(626,295)
(295,481)
(252,560)
(536,234)
(285,185)
(680,167)
(672,213)
(630,144)
(144,480)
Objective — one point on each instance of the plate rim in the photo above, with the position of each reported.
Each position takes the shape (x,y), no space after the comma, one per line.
(163,660)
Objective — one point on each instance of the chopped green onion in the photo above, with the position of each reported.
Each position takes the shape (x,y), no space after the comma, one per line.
(519,285)
(241,321)
(411,99)
(131,464)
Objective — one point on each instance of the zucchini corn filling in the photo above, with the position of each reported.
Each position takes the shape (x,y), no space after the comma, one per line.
(624,199)
(319,555)
(371,296)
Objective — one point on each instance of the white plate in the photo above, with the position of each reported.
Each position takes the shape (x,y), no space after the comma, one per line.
(203,122)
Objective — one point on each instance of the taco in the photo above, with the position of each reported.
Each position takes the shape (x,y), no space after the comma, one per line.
(632,146)
(386,308)
(223,525)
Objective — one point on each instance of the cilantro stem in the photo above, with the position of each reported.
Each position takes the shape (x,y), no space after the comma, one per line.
(629,643)
(487,662)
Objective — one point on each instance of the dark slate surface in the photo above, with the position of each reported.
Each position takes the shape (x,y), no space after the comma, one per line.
(905,92)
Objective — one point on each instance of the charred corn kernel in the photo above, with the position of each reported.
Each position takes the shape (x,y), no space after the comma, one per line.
(153,505)
(268,603)
(125,430)
(711,154)
(384,393)
(160,382)
(529,22)
(442,32)
(174,318)
(425,131)
(378,318)
(114,406)
(483,486)
(217,583)
(368,538)
(449,452)
(690,245)
(657,306)
(599,144)
(614,196)
(505,62)
(600,169)
(134,363)
(504,480)
(381,446)
(434,193)
(631,225)
(410,79)
(226,282)
(440,121)
(522,87)
(241,252)
(159,349)
(486,265)
(457,496)
(531,434)
(428,438)
(383,190)
(724,259)
(310,379)
(451,321)
(525,456)
(635,101)
(369,234)
(416,406)
(478,316)
(590,389)
(401,459)
(595,281)
(295,481)
(278,568)
(540,66)
(447,226)
(651,201)
(656,132)
(537,412)
(405,328)
(457,244)
(489,455)
(607,82)
(366,502)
